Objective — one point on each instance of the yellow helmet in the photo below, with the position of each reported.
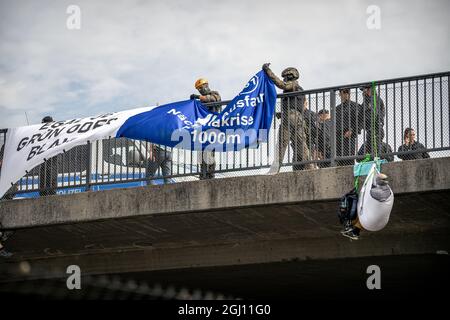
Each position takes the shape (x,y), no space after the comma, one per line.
(200,82)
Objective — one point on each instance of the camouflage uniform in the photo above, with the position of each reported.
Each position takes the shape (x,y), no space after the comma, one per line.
(292,125)
(207,158)
(213,96)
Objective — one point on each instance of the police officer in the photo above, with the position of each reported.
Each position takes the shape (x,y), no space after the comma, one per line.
(292,125)
(207,95)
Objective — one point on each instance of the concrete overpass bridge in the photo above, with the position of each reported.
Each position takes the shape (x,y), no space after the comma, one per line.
(247,236)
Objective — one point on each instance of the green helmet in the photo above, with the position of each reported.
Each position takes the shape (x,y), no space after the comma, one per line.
(292,71)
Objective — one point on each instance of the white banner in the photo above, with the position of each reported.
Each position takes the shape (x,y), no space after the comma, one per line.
(27,147)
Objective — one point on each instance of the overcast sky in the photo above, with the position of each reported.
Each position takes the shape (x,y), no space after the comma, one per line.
(135,53)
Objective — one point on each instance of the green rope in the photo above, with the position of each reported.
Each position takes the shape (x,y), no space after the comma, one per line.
(356,182)
(373,138)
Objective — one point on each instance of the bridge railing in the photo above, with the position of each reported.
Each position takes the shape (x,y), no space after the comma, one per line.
(312,129)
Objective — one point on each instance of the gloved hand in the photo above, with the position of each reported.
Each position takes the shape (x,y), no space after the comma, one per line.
(194,96)
(265,66)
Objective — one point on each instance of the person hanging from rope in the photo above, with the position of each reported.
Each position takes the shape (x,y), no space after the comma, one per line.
(348,209)
(348,216)
(376,200)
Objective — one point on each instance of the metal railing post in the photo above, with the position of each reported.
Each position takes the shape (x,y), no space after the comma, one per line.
(88,169)
(333,127)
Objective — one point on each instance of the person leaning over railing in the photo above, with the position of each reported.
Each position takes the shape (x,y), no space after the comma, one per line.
(410,144)
(207,158)
(292,127)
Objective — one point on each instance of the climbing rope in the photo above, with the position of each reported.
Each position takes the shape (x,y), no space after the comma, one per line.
(368,156)
(356,182)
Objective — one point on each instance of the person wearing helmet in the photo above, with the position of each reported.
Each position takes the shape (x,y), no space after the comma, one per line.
(293,126)
(207,95)
(207,158)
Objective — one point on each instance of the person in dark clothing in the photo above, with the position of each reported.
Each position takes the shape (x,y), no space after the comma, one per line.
(161,157)
(292,127)
(373,124)
(349,117)
(310,118)
(9,195)
(207,158)
(4,235)
(384,151)
(410,144)
(324,137)
(48,172)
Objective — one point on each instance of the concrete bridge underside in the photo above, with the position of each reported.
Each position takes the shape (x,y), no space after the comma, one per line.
(236,223)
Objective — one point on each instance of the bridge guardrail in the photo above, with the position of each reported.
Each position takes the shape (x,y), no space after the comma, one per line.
(345,132)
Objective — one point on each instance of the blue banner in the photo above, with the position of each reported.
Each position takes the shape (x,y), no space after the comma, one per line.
(243,123)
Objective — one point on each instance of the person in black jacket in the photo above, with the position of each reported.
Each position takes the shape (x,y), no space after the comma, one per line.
(324,137)
(374,122)
(410,144)
(349,117)
(384,151)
